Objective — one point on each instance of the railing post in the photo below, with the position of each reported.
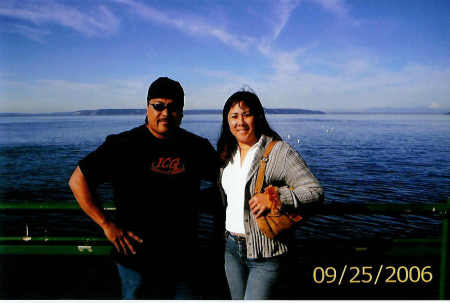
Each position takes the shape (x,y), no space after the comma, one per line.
(444,253)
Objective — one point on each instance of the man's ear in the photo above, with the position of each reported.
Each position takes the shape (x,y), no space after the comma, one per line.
(146,114)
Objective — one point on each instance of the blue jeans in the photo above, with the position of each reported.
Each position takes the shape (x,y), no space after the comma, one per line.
(250,279)
(134,287)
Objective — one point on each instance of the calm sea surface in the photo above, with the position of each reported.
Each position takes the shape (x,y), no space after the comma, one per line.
(357,158)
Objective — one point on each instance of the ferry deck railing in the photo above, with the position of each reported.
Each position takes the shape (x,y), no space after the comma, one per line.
(56,245)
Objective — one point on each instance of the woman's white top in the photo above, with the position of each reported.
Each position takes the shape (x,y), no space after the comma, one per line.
(233,182)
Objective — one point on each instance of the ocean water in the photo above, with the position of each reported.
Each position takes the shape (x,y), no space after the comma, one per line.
(357,159)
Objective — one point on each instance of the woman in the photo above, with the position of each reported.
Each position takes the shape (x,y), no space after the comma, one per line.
(253,262)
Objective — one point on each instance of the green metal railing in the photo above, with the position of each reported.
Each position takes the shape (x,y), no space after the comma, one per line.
(54,246)
(51,245)
(43,245)
(14,206)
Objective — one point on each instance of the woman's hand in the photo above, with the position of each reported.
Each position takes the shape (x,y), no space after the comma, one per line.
(259,204)
(120,238)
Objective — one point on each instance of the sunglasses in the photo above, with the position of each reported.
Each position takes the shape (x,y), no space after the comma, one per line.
(171,107)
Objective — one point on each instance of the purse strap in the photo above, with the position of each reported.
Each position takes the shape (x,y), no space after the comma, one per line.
(262,166)
(260,178)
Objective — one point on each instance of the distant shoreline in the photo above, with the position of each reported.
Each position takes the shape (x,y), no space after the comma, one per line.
(269,111)
(125,112)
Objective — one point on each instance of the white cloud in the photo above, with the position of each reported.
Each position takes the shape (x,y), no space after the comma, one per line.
(50,95)
(357,66)
(286,62)
(283,12)
(230,77)
(409,87)
(282,61)
(338,8)
(290,62)
(123,90)
(191,25)
(32,33)
(98,22)
(402,88)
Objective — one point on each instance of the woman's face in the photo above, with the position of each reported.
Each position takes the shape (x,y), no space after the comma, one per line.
(242,123)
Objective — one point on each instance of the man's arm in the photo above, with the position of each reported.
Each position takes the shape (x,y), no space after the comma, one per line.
(117,236)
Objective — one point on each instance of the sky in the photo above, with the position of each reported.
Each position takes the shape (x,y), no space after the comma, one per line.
(58,55)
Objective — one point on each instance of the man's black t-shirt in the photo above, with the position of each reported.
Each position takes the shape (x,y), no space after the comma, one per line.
(156,185)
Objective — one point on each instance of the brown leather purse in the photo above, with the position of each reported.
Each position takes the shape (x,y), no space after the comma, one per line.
(273,222)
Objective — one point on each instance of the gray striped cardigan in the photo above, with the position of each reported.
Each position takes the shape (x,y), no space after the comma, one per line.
(296,186)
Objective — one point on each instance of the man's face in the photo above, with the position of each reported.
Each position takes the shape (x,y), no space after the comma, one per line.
(163,116)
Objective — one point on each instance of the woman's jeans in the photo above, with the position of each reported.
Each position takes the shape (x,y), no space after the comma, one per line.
(250,279)
(134,287)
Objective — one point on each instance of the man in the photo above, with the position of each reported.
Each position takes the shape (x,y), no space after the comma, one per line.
(155,171)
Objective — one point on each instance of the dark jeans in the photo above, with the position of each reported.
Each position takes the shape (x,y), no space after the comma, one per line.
(251,279)
(136,285)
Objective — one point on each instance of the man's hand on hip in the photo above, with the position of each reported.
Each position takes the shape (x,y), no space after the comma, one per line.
(120,238)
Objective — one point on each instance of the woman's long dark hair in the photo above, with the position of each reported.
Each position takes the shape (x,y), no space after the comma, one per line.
(227,144)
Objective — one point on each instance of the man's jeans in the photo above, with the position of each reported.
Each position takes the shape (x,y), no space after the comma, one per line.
(250,279)
(134,287)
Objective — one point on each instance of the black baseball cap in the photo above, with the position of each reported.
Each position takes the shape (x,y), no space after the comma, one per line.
(167,88)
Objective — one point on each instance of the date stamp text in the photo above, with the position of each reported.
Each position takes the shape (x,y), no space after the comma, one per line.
(372,275)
